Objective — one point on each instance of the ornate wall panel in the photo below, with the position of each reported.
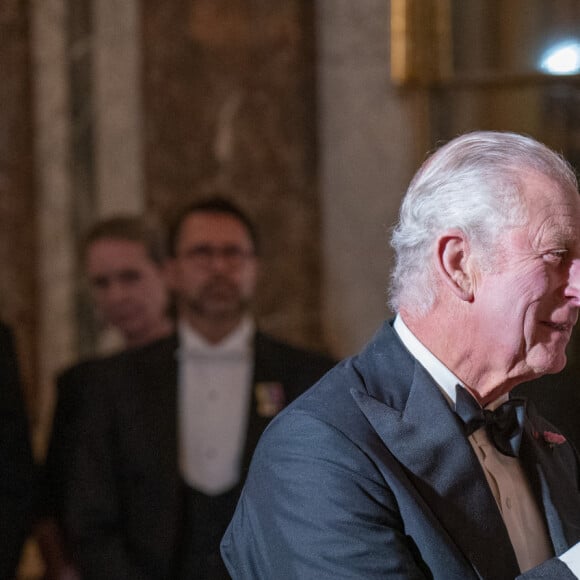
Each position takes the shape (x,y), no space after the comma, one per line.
(229,106)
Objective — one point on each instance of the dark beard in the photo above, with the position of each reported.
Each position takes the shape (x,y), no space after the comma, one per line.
(219,299)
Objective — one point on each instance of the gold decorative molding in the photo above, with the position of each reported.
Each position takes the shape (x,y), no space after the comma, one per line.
(421,43)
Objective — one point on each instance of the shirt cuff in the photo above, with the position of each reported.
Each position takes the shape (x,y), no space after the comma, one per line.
(572,559)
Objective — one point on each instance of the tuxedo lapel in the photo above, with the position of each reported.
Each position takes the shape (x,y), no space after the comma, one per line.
(169,382)
(280,373)
(158,391)
(426,438)
(262,377)
(164,371)
(548,468)
(145,416)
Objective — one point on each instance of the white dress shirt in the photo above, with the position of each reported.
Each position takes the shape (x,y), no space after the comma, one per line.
(507,481)
(213,404)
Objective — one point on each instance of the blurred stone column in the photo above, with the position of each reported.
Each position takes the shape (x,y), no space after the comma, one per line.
(87,115)
(56,318)
(367,148)
(118,106)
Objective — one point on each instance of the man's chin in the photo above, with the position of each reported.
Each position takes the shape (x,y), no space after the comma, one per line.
(128,327)
(224,311)
(219,308)
(551,365)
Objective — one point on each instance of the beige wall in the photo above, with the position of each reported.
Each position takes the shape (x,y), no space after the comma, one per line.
(367,149)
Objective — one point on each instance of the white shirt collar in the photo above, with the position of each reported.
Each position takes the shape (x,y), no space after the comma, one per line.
(239,341)
(440,373)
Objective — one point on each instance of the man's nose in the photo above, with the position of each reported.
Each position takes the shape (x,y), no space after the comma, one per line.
(116,293)
(219,260)
(573,287)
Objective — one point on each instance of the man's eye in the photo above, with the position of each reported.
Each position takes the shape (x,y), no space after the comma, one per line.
(200,252)
(100,283)
(128,276)
(555,257)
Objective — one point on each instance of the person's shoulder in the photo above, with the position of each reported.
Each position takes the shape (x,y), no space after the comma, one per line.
(86,367)
(75,380)
(100,366)
(327,411)
(291,351)
(85,364)
(132,356)
(149,352)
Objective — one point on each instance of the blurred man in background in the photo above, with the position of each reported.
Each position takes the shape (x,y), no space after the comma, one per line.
(124,260)
(166,449)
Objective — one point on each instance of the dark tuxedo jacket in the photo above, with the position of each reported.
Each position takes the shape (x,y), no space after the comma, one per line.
(17,477)
(127,497)
(370,475)
(71,387)
(557,398)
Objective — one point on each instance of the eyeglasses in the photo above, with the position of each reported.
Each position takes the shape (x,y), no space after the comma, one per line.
(204,254)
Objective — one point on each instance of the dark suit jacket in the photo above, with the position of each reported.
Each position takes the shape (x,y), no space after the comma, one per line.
(126,503)
(66,426)
(370,475)
(16,466)
(557,397)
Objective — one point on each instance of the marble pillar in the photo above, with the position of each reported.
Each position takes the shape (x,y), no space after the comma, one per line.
(367,155)
(118,107)
(56,264)
(87,126)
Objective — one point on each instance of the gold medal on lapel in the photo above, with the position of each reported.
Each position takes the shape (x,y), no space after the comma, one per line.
(270,398)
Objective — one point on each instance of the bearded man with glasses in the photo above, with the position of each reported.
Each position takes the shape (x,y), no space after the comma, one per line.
(164,455)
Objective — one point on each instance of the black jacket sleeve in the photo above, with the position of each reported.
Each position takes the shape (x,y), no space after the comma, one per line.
(18,477)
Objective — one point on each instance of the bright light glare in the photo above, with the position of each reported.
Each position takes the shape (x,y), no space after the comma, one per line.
(563,59)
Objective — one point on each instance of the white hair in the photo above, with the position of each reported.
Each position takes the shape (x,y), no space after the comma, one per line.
(473,183)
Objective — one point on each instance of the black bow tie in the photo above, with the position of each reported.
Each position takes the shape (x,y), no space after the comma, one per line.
(504,425)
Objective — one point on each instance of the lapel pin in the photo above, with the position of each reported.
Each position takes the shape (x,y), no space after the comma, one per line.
(551,438)
(270,398)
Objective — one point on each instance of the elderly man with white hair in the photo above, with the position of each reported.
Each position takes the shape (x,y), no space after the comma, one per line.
(410,460)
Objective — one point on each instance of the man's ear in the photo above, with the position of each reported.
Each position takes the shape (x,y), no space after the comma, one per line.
(453,255)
